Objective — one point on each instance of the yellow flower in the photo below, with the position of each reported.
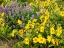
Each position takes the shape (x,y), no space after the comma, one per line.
(13,32)
(30,30)
(2,4)
(27,26)
(52,30)
(49,38)
(57,42)
(62,13)
(6,0)
(39,35)
(41,11)
(34,20)
(41,17)
(32,25)
(19,21)
(29,21)
(3,24)
(57,9)
(53,41)
(37,30)
(26,41)
(47,12)
(46,17)
(42,29)
(43,24)
(48,0)
(31,4)
(35,40)
(53,1)
(1,19)
(45,3)
(2,14)
(42,40)
(37,2)
(59,31)
(21,31)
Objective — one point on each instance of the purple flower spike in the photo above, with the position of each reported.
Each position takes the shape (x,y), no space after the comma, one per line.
(1,9)
(30,7)
(6,8)
(14,4)
(20,7)
(12,10)
(33,16)
(22,18)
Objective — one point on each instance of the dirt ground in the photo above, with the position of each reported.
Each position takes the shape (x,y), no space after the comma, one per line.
(8,43)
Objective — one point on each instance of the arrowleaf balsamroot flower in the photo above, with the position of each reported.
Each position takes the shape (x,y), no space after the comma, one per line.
(19,22)
(52,30)
(34,20)
(2,14)
(49,38)
(42,29)
(13,32)
(35,39)
(42,40)
(21,31)
(59,31)
(57,43)
(53,41)
(26,41)
(62,13)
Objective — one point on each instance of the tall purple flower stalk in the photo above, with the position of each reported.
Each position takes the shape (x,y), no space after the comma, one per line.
(22,17)
(33,16)
(1,9)
(20,7)
(6,8)
(13,10)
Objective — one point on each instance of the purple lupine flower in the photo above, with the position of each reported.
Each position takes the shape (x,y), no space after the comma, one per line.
(22,18)
(33,16)
(13,10)
(20,7)
(6,8)
(30,7)
(14,4)
(1,9)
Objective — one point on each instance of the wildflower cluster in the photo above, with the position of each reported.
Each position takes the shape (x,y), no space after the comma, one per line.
(39,23)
